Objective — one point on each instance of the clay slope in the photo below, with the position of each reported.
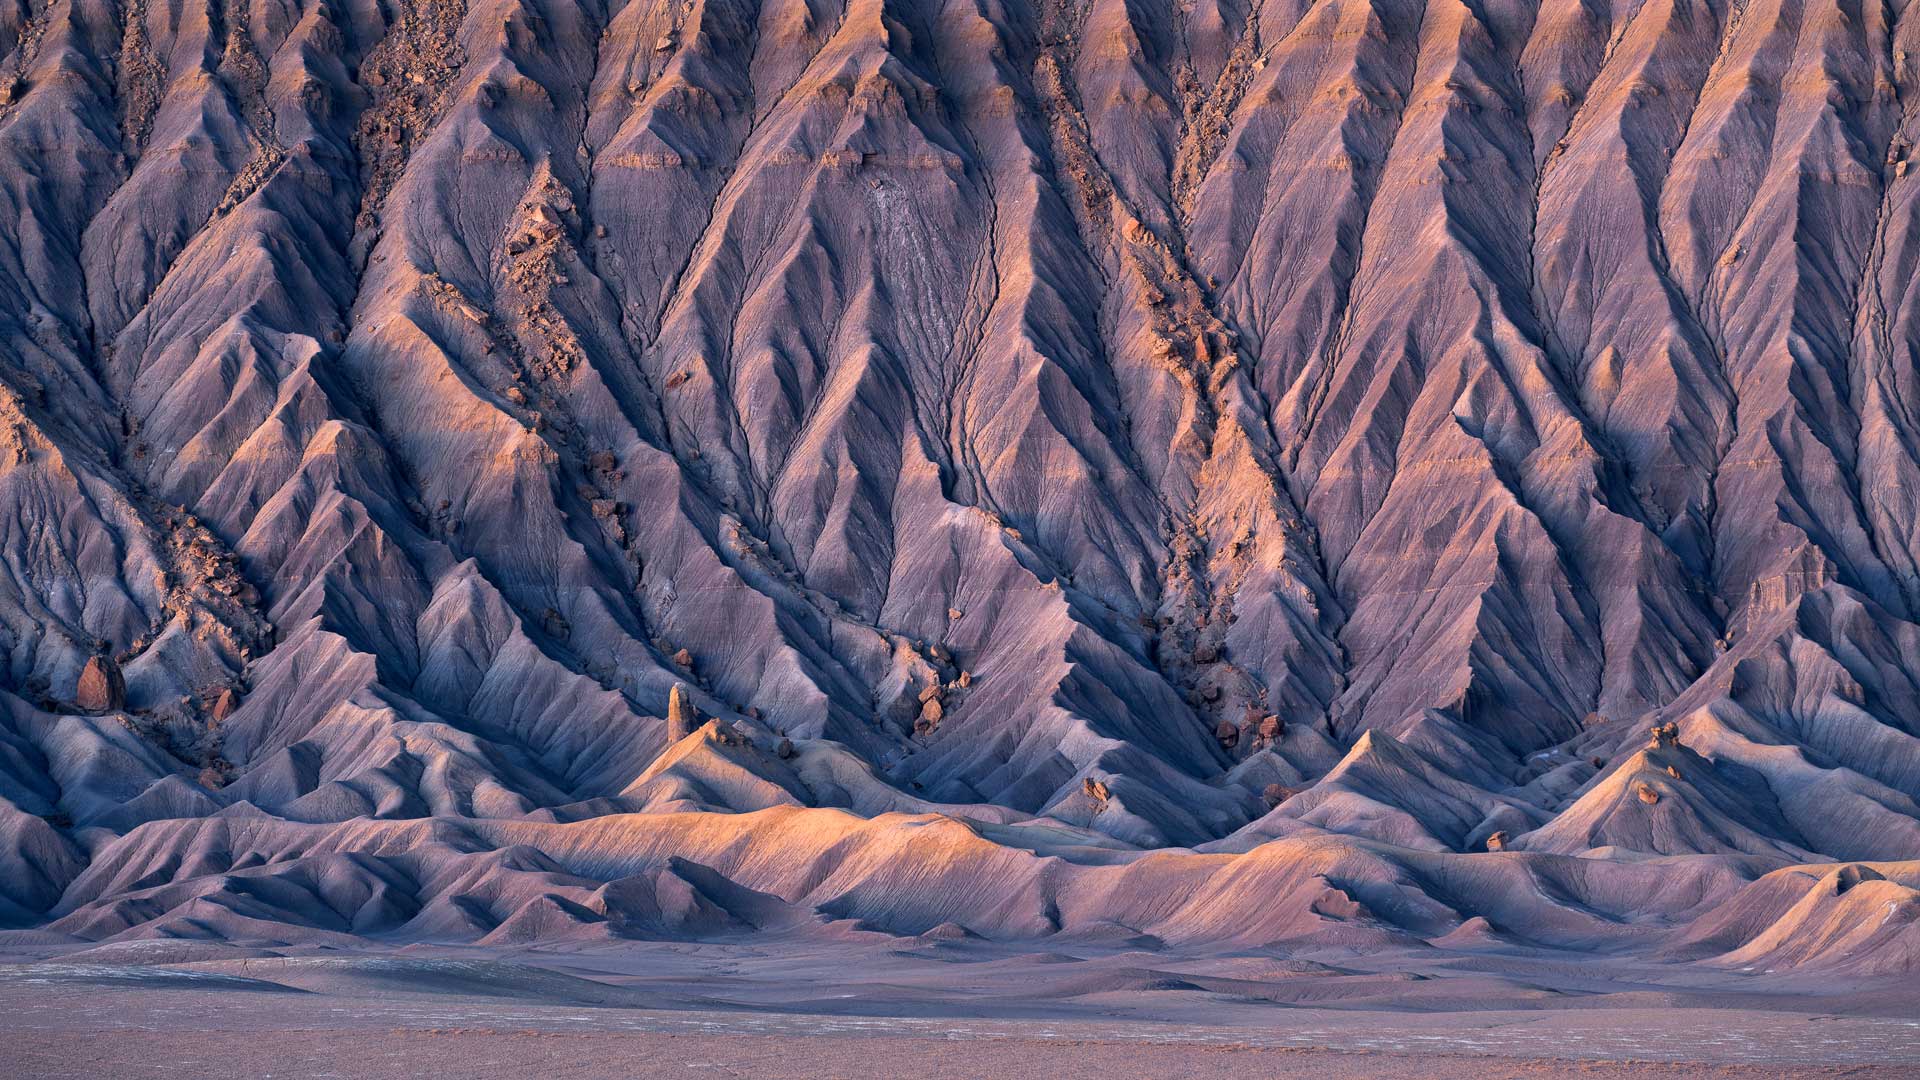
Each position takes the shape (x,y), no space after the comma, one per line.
(1329,435)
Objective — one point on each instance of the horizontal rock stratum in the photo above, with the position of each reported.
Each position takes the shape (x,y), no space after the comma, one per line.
(1332,473)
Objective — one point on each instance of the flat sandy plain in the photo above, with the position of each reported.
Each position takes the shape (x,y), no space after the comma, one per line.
(870,1005)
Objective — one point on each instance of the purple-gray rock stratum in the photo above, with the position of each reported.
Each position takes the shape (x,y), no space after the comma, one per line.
(516,471)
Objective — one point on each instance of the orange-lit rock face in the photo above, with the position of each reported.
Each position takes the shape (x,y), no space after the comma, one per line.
(1341,437)
(100,687)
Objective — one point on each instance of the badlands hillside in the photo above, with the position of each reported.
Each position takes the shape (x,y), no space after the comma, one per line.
(1437,476)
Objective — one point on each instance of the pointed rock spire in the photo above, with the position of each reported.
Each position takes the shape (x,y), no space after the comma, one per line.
(682,718)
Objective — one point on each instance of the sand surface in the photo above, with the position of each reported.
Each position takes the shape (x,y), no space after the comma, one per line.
(973,1010)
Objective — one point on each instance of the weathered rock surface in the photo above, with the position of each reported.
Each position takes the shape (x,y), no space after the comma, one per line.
(1332,433)
(100,686)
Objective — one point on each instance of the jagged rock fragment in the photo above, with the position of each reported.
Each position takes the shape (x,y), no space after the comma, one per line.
(101,687)
(224,704)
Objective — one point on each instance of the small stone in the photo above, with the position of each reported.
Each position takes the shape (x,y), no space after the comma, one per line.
(1849,876)
(1647,794)
(224,705)
(683,658)
(1227,734)
(1097,790)
(101,686)
(1497,841)
(783,749)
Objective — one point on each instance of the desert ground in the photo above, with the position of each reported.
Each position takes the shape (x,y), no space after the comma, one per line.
(872,1005)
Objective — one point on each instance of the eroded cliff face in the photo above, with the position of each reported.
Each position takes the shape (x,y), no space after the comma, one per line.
(1349,423)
